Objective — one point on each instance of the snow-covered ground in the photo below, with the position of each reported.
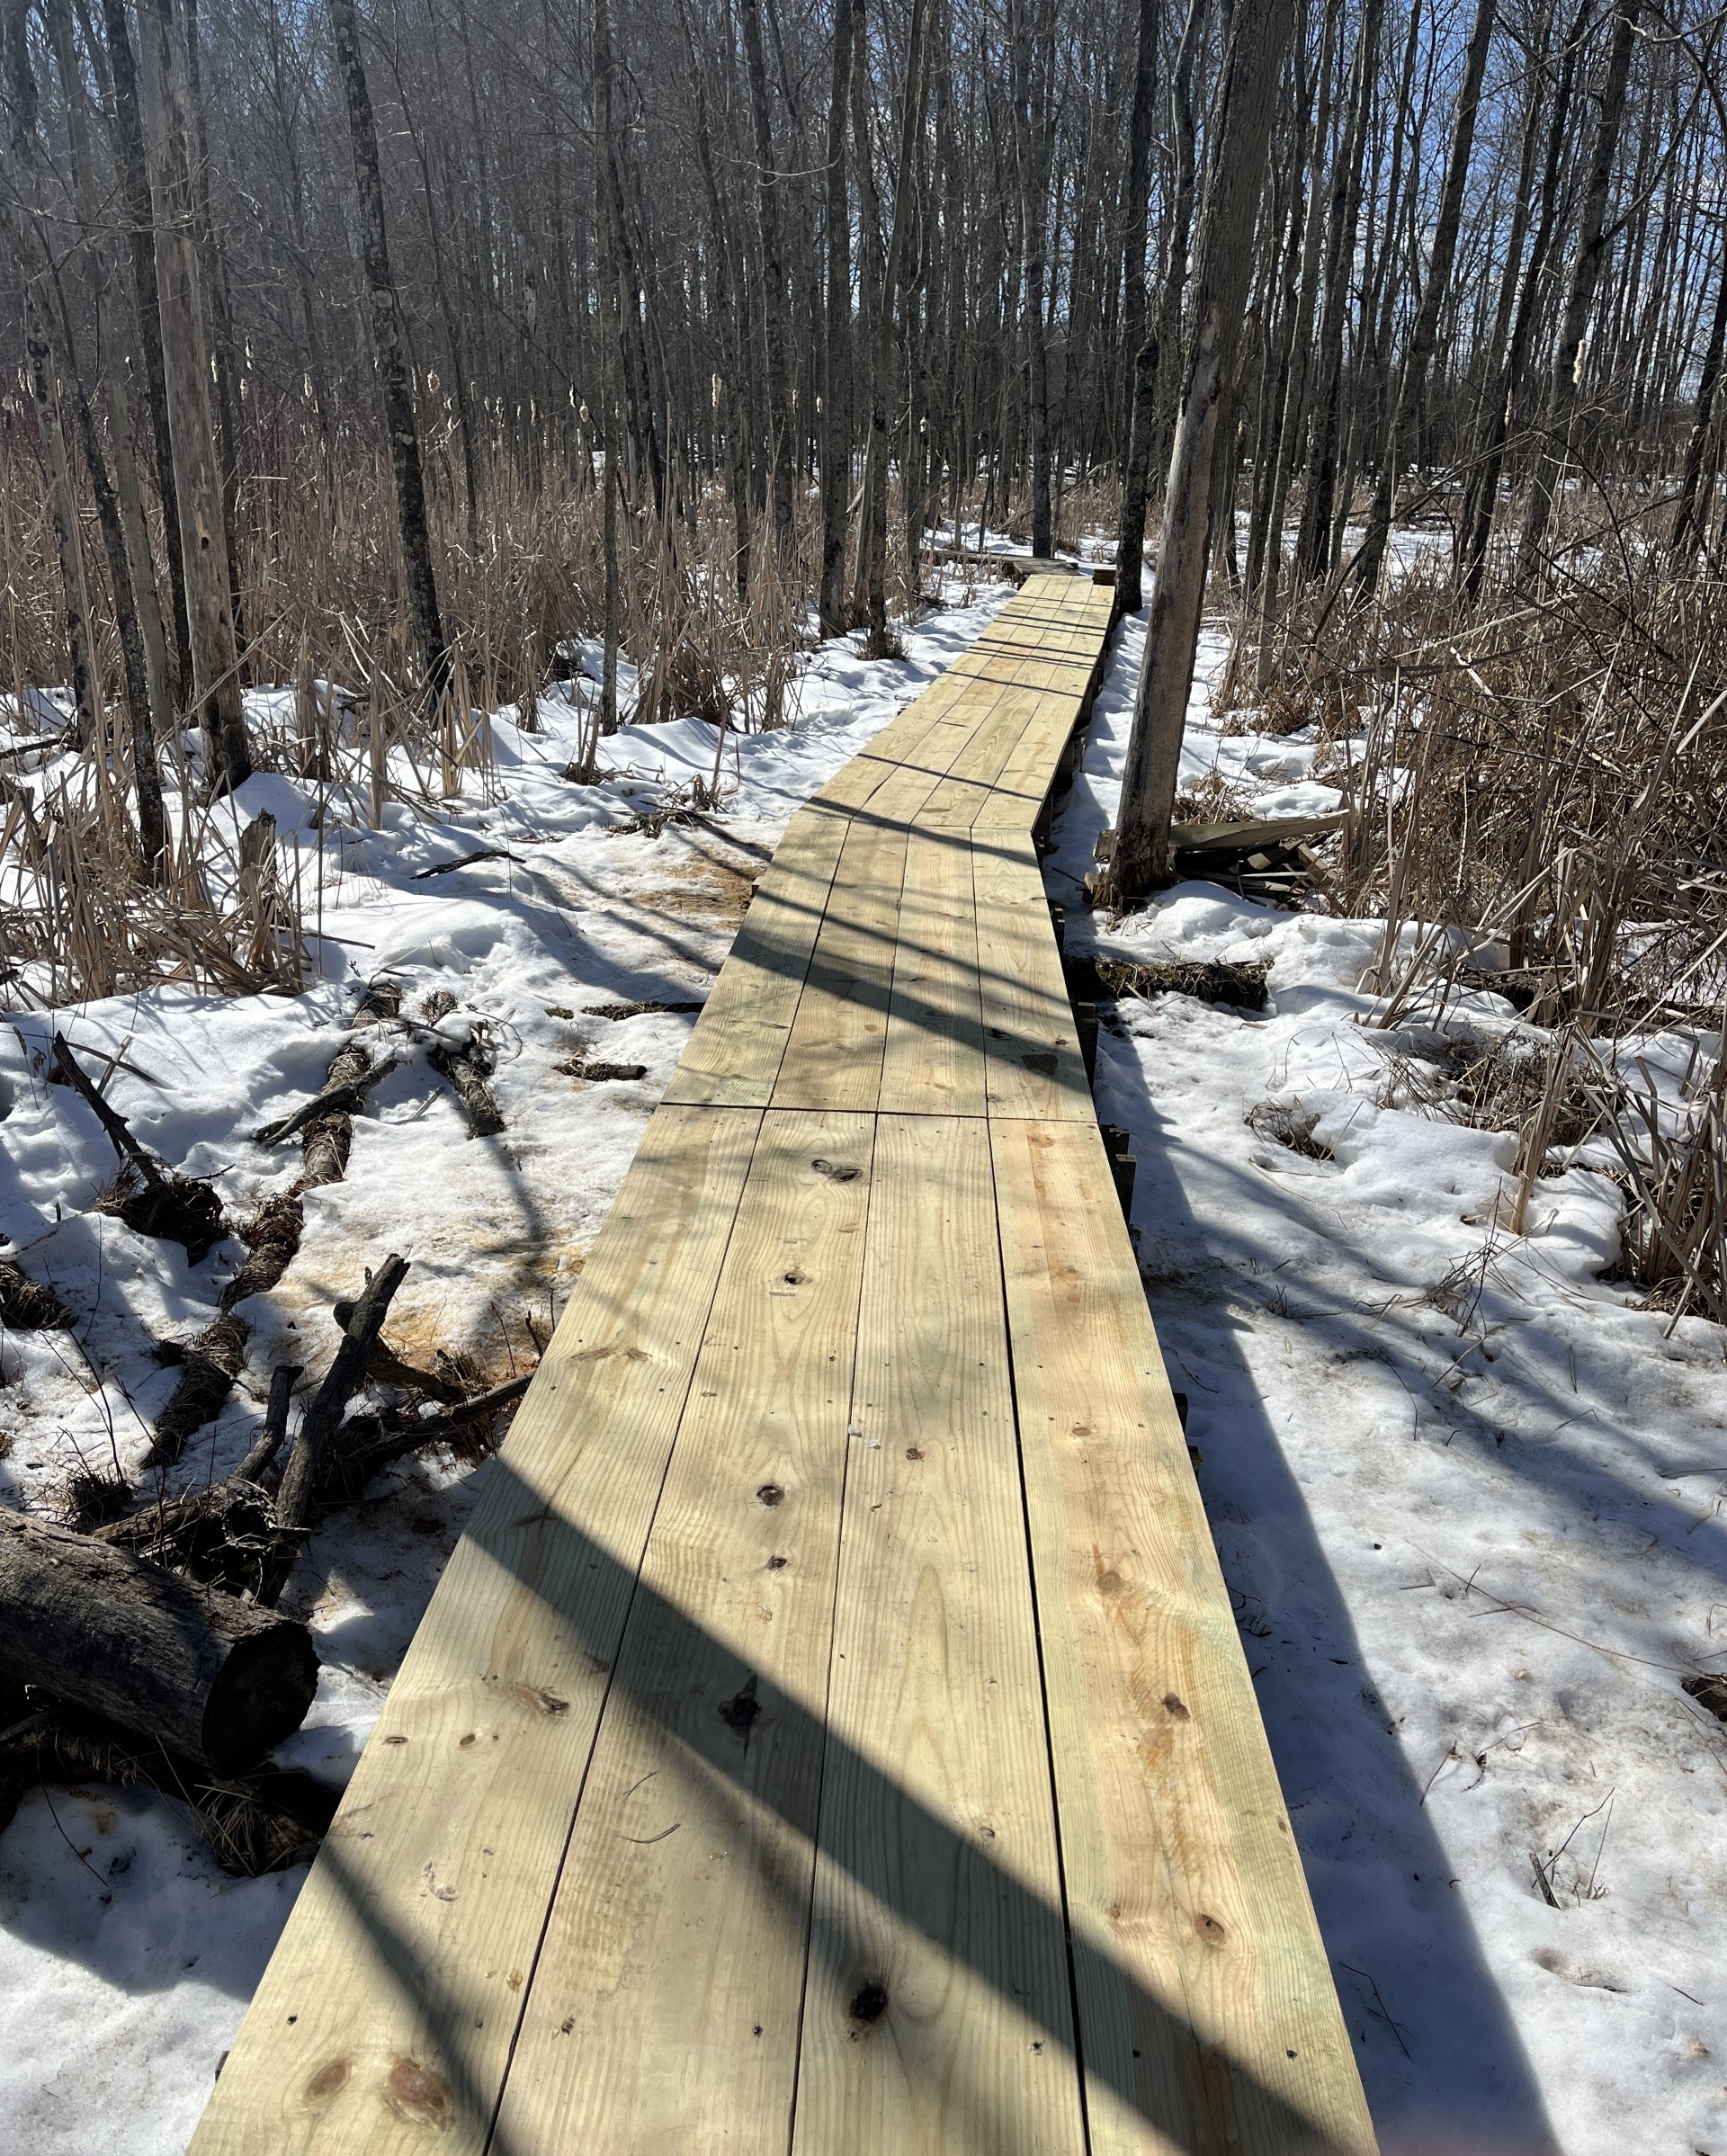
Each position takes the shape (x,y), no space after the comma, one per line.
(1467,1498)
(1469,1501)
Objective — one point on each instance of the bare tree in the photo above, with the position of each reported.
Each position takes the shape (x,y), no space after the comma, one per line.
(1258,35)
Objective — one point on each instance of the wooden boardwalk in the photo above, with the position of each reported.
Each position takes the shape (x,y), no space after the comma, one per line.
(831,1735)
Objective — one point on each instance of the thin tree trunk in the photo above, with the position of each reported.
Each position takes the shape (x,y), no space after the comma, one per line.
(112,338)
(133,170)
(882,365)
(836,371)
(1295,413)
(203,546)
(768,199)
(1687,521)
(1139,385)
(610,334)
(391,358)
(1313,547)
(1425,332)
(1032,162)
(1592,242)
(1253,61)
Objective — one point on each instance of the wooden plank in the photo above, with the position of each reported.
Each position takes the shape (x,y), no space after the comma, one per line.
(387,2013)
(1035,1067)
(664,2009)
(833,1058)
(933,1063)
(938,2018)
(1208,2019)
(733,1054)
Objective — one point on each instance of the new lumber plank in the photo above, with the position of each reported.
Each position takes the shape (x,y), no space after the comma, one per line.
(833,1056)
(1035,1067)
(933,1062)
(734,1050)
(1208,2019)
(387,2013)
(938,2018)
(664,2009)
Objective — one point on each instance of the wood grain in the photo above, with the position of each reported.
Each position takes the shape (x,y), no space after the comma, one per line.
(733,1054)
(668,1991)
(1208,2019)
(1035,1067)
(933,1063)
(387,2010)
(938,2013)
(833,1057)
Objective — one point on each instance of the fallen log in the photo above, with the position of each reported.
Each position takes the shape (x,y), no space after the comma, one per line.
(208,1677)
(208,1365)
(468,1069)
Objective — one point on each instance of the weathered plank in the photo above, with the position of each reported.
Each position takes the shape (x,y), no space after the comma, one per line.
(1208,2019)
(388,2009)
(938,2018)
(665,2006)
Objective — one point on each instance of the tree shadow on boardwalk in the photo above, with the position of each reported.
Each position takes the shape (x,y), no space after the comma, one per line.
(1199,2108)
(1441,2060)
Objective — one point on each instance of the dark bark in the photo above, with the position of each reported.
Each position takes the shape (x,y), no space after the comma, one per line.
(1253,61)
(837,344)
(208,1677)
(1139,385)
(203,546)
(390,355)
(297,1502)
(773,277)
(1425,332)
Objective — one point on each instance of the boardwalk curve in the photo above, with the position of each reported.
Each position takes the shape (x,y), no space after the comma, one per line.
(831,1737)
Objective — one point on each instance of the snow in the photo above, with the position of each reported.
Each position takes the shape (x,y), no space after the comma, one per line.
(1468,1501)
(1467,1498)
(126,1955)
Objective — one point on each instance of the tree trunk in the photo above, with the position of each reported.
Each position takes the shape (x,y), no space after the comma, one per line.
(140,218)
(610,332)
(1313,546)
(1687,521)
(208,1677)
(1253,60)
(1425,332)
(1592,242)
(391,358)
(1294,412)
(1032,158)
(836,348)
(1177,236)
(768,199)
(203,546)
(881,366)
(1140,372)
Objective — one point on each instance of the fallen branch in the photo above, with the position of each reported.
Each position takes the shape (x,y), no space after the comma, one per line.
(209,1364)
(297,1502)
(486,853)
(467,1069)
(341,1096)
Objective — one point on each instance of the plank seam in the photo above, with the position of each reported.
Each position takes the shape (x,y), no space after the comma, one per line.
(622,1635)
